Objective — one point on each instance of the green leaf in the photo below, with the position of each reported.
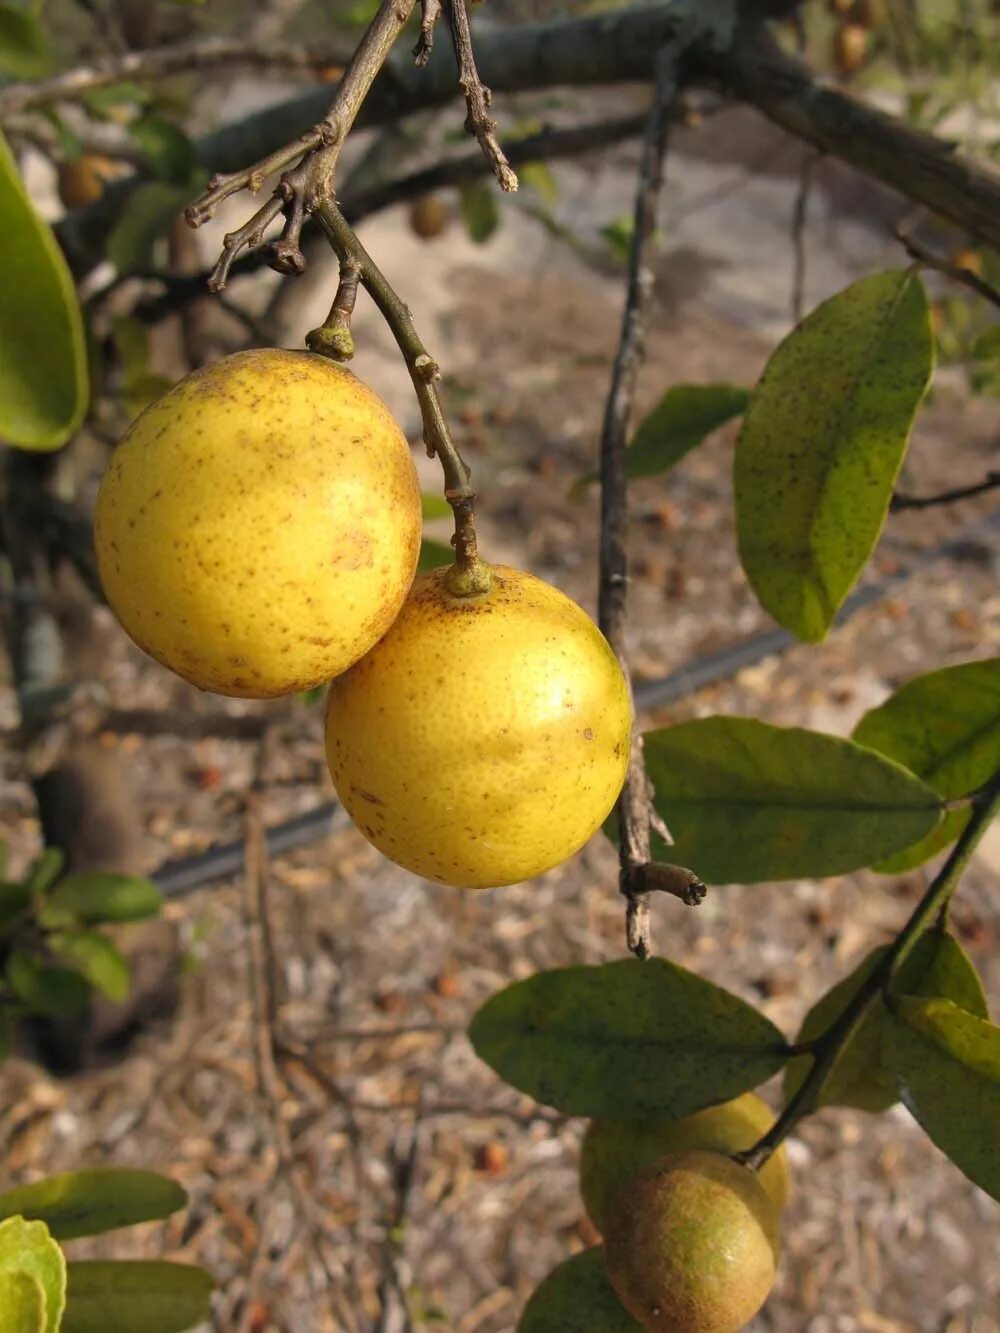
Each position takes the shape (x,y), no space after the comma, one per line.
(480,212)
(151,209)
(142,385)
(43,369)
(97,895)
(937,967)
(106,103)
(54,992)
(947,1064)
(24,48)
(618,235)
(167,149)
(821,444)
(747,801)
(27,1247)
(434,506)
(987,345)
(88,1203)
(945,727)
(46,870)
(95,957)
(22,1304)
(577,1297)
(626,1039)
(433,555)
(15,900)
(684,416)
(538,176)
(136,1297)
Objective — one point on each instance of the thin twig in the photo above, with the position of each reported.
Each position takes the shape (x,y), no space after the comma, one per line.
(477,96)
(799,218)
(162,62)
(827,1048)
(901,501)
(404,1163)
(957,272)
(300,191)
(633,804)
(430,12)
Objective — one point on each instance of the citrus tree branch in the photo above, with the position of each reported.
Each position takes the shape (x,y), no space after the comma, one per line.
(299,192)
(957,272)
(477,96)
(826,1048)
(902,501)
(636,873)
(162,62)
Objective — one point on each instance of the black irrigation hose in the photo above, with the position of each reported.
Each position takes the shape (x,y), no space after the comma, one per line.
(184,875)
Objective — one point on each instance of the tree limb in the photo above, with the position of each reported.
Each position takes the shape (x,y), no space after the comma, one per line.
(163,61)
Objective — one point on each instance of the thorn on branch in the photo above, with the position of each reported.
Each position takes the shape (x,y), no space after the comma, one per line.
(430,12)
(477,95)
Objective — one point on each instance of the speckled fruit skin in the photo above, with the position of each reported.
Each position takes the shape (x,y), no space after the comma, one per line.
(485,738)
(692,1245)
(615,1150)
(258,527)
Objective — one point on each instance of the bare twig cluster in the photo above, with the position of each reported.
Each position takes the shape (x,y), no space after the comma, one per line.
(639,874)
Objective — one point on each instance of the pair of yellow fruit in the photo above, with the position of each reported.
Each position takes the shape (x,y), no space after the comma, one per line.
(690,1235)
(258,530)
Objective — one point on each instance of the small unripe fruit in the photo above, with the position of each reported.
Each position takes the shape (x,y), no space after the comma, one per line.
(83,180)
(429,216)
(258,527)
(614,1151)
(692,1246)
(486,737)
(850,48)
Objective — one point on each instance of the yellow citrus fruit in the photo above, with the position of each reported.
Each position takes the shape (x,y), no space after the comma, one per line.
(486,737)
(616,1150)
(258,527)
(692,1245)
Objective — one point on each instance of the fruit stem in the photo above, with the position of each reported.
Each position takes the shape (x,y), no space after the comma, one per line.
(334,338)
(827,1047)
(425,373)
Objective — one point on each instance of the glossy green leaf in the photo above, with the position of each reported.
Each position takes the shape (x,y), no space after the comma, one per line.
(577,1297)
(88,1203)
(747,801)
(166,148)
(947,1065)
(24,48)
(937,967)
(626,1039)
(433,555)
(684,416)
(945,727)
(151,209)
(27,1247)
(822,441)
(98,895)
(43,369)
(434,506)
(54,992)
(136,1297)
(480,210)
(95,957)
(22,1303)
